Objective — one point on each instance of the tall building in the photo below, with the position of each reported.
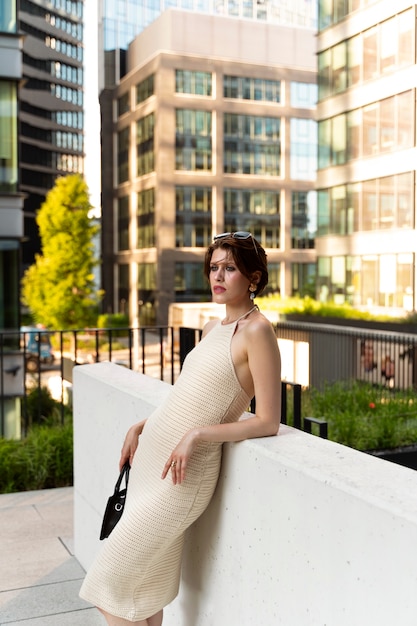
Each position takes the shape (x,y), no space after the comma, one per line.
(11,221)
(11,201)
(120,22)
(212,129)
(367,243)
(51,103)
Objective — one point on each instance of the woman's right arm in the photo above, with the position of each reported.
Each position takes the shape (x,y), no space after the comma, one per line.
(131,443)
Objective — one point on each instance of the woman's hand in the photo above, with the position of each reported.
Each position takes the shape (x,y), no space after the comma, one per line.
(180,456)
(131,443)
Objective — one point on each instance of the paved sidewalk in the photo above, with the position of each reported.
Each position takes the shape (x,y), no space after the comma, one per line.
(39,575)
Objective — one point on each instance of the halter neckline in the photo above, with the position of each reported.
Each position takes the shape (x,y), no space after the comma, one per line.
(254,308)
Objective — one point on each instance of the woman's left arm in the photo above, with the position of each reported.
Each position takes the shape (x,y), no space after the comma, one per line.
(264,363)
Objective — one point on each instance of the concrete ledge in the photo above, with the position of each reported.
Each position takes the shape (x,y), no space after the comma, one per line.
(301,531)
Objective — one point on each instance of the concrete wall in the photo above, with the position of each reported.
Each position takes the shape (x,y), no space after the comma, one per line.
(301,531)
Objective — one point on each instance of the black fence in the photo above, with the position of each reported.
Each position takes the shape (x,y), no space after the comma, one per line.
(35,358)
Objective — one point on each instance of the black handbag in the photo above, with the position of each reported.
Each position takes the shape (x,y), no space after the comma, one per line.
(115,504)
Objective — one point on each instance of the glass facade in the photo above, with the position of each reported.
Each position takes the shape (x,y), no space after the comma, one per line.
(377,51)
(378,128)
(384,280)
(124,19)
(8,22)
(252,144)
(193,207)
(333,11)
(256,211)
(377,204)
(8,136)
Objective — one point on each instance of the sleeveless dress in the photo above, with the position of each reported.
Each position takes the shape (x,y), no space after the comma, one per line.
(137,572)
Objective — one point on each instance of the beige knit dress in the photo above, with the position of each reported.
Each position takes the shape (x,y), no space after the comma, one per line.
(138,570)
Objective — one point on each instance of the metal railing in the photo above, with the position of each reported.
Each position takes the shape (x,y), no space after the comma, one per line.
(386,360)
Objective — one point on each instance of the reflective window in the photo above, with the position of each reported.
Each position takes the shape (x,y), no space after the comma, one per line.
(197,83)
(123,223)
(303,219)
(193,140)
(377,204)
(123,155)
(193,216)
(254,210)
(146,219)
(8,137)
(145,89)
(145,145)
(252,89)
(252,145)
(303,149)
(190,282)
(8,17)
(379,50)
(9,283)
(384,126)
(304,95)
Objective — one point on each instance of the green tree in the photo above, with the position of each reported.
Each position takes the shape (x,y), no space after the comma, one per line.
(59,287)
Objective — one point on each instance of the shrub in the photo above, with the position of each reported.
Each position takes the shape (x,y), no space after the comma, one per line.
(361,416)
(44,459)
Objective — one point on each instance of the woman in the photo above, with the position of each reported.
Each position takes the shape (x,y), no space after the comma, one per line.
(175,454)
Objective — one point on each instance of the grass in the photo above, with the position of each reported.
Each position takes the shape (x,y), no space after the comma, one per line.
(363,417)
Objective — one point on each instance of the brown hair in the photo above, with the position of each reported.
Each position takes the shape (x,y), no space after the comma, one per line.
(248,255)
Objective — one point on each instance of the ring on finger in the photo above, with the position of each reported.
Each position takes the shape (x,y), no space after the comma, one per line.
(173,464)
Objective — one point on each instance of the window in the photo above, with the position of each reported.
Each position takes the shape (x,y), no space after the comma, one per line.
(303,149)
(251,144)
(8,137)
(145,89)
(304,95)
(123,155)
(9,281)
(145,145)
(252,89)
(146,219)
(375,204)
(193,82)
(8,16)
(193,140)
(193,216)
(303,219)
(254,210)
(190,282)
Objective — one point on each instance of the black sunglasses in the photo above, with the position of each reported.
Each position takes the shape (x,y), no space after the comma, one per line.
(240,234)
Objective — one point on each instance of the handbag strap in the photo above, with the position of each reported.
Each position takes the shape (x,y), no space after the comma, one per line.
(124,473)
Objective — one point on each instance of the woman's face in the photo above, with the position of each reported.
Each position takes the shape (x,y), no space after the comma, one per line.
(228,284)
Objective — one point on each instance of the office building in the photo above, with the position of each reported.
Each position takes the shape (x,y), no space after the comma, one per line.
(51,103)
(366,241)
(213,129)
(11,201)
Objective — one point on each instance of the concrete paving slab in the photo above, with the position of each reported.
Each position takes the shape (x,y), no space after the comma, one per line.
(39,576)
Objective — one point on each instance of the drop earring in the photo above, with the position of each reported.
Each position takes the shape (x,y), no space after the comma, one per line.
(252,293)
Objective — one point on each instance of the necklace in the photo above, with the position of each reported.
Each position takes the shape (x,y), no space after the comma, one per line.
(254,308)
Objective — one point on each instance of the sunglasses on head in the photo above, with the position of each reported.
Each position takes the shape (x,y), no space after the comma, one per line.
(240,234)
